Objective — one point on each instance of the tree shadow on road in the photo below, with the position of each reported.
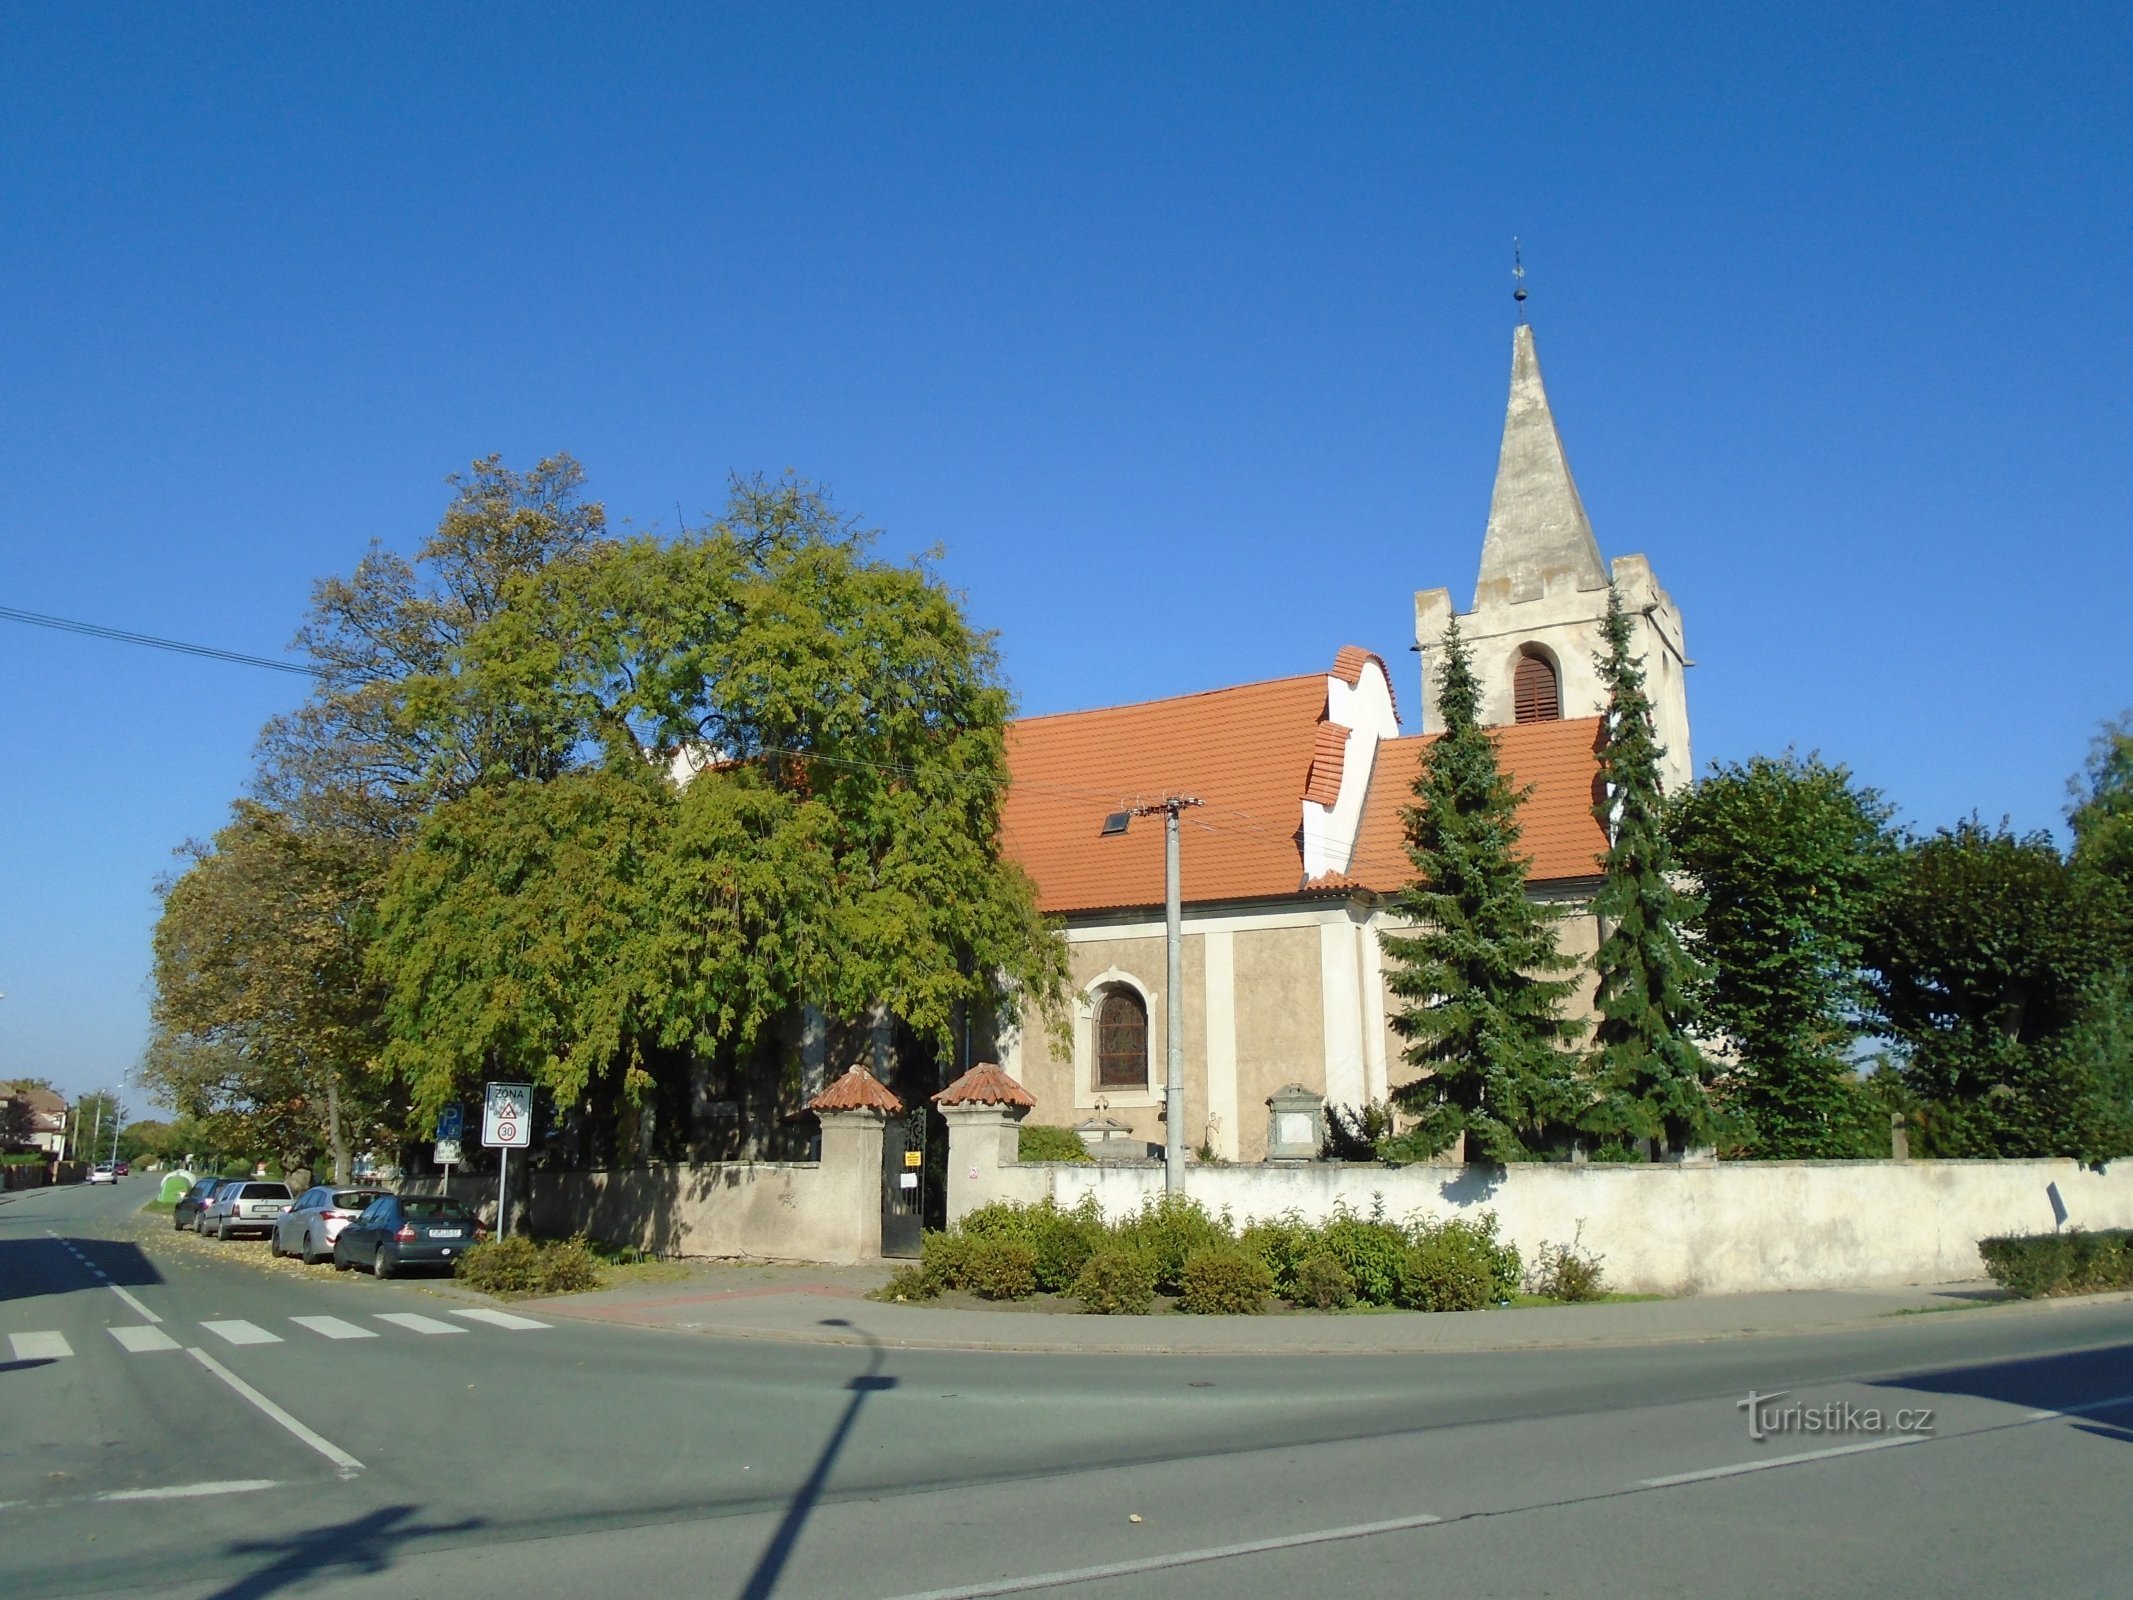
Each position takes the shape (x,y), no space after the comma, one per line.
(38,1266)
(360,1547)
(771,1565)
(2076,1382)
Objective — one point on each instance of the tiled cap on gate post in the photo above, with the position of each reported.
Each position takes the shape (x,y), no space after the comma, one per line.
(983,1108)
(985,1085)
(857,1090)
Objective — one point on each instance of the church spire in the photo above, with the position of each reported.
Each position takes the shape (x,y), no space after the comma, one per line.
(1539,540)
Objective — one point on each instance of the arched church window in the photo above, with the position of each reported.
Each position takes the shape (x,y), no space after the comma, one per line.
(1535,694)
(1121,1041)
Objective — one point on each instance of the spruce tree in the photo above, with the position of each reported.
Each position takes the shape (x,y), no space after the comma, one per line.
(1648,1079)
(1480,978)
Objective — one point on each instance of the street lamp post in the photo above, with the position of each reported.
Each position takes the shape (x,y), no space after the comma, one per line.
(1173,980)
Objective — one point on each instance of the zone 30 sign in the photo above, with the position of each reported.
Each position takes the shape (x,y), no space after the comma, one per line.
(507,1116)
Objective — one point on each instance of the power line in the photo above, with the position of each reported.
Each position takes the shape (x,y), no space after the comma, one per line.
(122,636)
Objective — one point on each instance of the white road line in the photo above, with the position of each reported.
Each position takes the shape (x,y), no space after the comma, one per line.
(332,1452)
(39,1346)
(1184,1558)
(236,1331)
(500,1319)
(144,1313)
(2083,1409)
(142,1340)
(1782,1461)
(417,1321)
(191,1491)
(333,1327)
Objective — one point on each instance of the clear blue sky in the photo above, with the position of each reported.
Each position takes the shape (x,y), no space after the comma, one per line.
(1185,332)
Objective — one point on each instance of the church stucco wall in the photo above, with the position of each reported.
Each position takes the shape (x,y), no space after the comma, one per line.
(1280,1025)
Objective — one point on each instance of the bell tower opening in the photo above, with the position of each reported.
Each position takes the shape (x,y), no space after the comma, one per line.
(1536,693)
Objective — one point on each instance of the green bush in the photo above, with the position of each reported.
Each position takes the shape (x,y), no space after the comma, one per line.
(1371,1250)
(1002,1269)
(1169,1228)
(1568,1272)
(1063,1240)
(1224,1280)
(1457,1266)
(1320,1280)
(907,1283)
(944,1258)
(1117,1281)
(520,1265)
(1282,1244)
(1038,1142)
(2077,1262)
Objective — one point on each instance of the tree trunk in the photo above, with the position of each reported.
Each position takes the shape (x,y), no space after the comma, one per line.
(336,1140)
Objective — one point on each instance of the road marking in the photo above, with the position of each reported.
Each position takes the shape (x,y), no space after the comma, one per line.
(1782,1461)
(236,1331)
(332,1452)
(142,1340)
(416,1321)
(2083,1409)
(1184,1558)
(500,1319)
(39,1346)
(145,1314)
(191,1491)
(333,1327)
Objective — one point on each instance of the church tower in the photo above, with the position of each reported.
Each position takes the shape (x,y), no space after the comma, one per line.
(1541,600)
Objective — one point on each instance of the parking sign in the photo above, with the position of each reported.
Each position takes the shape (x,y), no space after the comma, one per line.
(507,1116)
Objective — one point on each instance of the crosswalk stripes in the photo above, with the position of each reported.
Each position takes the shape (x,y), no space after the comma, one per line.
(239,1332)
(39,1346)
(333,1328)
(139,1341)
(416,1322)
(142,1339)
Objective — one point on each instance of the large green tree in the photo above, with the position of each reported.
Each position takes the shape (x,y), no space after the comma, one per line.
(2102,812)
(788,759)
(1649,1079)
(1479,975)
(1789,856)
(1992,958)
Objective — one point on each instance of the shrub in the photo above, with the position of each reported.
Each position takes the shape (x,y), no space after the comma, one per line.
(1371,1251)
(1169,1228)
(1002,1269)
(1282,1244)
(1353,1132)
(2078,1262)
(944,1258)
(1063,1240)
(1457,1266)
(1568,1272)
(1037,1142)
(1320,1280)
(1225,1280)
(906,1283)
(520,1265)
(1118,1280)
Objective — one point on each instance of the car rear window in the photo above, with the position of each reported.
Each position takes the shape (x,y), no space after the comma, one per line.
(422,1209)
(354,1199)
(265,1191)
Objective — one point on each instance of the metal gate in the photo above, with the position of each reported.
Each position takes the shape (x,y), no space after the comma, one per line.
(903,1182)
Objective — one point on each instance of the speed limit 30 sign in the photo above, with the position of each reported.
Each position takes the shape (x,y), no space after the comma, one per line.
(507,1116)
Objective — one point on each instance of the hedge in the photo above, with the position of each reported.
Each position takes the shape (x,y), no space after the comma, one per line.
(2074,1262)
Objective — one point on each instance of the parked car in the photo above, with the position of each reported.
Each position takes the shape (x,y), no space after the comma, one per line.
(400,1231)
(186,1212)
(102,1173)
(122,1169)
(309,1227)
(243,1205)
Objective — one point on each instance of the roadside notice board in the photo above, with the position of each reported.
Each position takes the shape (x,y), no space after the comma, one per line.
(507,1116)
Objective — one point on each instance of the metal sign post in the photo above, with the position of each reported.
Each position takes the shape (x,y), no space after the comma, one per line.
(506,1125)
(451,1128)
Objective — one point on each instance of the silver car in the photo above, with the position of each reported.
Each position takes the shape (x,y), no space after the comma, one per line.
(243,1205)
(308,1228)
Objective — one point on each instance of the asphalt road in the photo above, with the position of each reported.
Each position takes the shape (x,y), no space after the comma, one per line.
(168,1427)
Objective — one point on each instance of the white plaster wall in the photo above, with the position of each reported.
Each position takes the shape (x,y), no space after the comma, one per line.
(1664,1229)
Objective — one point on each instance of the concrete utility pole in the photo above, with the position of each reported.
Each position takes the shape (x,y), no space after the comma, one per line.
(1173,984)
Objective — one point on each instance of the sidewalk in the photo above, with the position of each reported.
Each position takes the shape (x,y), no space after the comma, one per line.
(827,1305)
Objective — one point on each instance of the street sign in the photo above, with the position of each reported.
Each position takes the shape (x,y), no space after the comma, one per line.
(451,1124)
(448,1153)
(507,1116)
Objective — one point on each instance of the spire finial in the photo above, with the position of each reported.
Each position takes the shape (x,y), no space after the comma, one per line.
(1518,278)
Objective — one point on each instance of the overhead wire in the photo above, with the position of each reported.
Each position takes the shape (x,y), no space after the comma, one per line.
(95,630)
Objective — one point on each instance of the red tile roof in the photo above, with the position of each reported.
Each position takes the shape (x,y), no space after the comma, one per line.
(857,1090)
(1329,754)
(1348,663)
(1560,836)
(985,1085)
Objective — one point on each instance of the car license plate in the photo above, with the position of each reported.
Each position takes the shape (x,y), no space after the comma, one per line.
(444,1233)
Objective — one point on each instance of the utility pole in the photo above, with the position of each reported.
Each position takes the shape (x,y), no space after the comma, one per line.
(1173,981)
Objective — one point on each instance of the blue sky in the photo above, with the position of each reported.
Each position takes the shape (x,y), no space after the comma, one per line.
(1184,331)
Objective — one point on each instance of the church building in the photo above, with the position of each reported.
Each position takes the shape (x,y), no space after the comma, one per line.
(1290,859)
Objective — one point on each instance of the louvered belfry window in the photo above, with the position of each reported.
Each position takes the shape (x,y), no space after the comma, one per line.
(1121,1041)
(1535,695)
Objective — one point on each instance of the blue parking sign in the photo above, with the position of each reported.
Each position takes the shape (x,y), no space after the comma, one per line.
(452,1122)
